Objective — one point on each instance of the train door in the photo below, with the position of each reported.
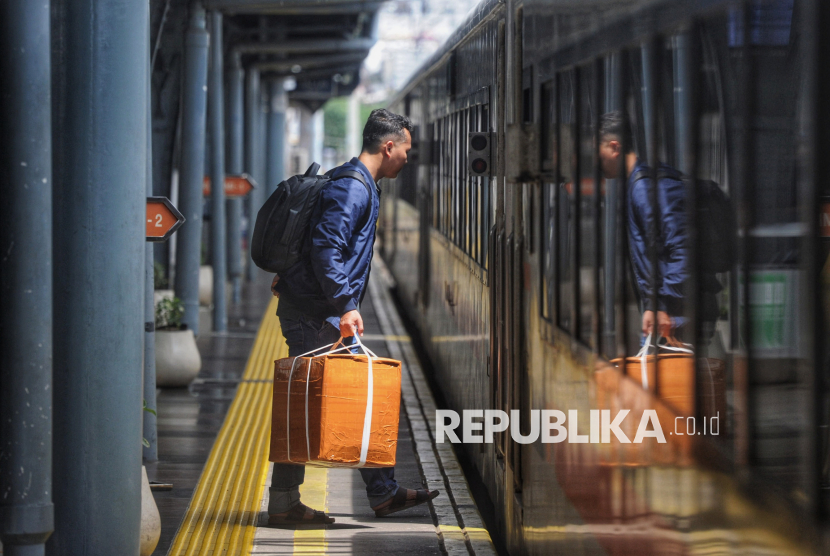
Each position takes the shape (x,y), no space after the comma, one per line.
(506,273)
(496,256)
(503,330)
(424,161)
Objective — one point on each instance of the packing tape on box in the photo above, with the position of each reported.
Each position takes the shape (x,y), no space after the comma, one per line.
(643,355)
(367,419)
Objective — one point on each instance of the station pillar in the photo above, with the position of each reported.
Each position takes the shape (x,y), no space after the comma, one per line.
(99,200)
(276,135)
(194,103)
(252,117)
(216,116)
(235,149)
(26,509)
(149,422)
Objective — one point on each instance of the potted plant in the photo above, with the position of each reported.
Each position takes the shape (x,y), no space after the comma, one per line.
(177,357)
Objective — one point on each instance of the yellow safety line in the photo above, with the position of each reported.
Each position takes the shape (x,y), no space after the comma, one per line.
(313,493)
(221,517)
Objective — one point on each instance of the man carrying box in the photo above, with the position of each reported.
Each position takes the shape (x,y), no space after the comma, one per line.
(320,297)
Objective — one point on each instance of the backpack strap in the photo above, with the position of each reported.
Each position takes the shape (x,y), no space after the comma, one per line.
(339,172)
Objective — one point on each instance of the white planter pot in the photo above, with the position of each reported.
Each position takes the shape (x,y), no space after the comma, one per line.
(150,518)
(206,285)
(177,358)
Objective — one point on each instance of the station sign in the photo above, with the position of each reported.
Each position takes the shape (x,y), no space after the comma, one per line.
(163,219)
(235,186)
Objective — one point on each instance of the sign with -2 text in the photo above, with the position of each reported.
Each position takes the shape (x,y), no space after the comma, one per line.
(163,219)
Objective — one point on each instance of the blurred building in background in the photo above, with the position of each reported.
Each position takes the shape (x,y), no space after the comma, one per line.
(409,32)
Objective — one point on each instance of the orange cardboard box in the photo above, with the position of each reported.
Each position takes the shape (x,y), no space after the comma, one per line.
(323,420)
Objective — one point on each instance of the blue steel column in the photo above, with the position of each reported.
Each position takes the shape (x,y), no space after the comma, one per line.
(149,420)
(236,145)
(682,102)
(252,117)
(645,151)
(276,135)
(99,256)
(26,509)
(262,141)
(216,108)
(194,102)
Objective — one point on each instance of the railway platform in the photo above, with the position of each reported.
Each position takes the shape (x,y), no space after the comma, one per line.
(213,449)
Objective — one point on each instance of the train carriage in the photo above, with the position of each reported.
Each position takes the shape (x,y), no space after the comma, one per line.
(511,254)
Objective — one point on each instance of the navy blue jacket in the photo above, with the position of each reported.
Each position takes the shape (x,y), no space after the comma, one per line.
(332,279)
(671,240)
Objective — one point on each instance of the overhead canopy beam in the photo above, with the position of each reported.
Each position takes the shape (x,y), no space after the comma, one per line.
(294,47)
(315,74)
(311,95)
(270,34)
(310,62)
(293,7)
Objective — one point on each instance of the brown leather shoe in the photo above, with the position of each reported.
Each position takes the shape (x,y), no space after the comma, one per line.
(402,501)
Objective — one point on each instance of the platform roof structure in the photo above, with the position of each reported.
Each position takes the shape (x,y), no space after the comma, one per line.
(319,43)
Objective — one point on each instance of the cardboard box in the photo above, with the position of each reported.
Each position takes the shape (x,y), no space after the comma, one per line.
(333,392)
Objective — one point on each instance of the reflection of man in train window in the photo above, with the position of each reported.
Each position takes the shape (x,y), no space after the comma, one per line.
(616,147)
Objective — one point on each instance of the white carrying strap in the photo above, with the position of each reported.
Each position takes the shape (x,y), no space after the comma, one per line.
(643,355)
(367,420)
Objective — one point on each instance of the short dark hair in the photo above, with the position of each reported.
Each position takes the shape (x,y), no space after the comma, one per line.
(381,124)
(613,123)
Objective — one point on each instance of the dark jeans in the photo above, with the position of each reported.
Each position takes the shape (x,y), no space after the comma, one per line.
(302,336)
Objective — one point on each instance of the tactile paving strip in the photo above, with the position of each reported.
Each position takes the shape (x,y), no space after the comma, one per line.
(222,515)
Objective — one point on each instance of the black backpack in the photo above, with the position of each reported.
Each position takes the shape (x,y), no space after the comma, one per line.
(282,224)
(717,225)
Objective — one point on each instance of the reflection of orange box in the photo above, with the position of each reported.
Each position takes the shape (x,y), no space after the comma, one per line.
(677,378)
(677,382)
(332,391)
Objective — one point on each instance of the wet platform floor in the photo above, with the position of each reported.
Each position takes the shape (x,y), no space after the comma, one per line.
(190,419)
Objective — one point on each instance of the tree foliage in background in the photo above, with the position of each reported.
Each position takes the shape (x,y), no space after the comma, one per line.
(366,109)
(334,123)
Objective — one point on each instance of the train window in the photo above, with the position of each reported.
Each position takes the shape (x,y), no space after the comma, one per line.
(565,198)
(546,131)
(458,194)
(456,178)
(465,184)
(442,172)
(462,179)
(450,178)
(484,188)
(586,196)
(474,184)
(452,217)
(447,206)
(769,289)
(548,238)
(435,170)
(547,231)
(527,95)
(738,308)
(438,163)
